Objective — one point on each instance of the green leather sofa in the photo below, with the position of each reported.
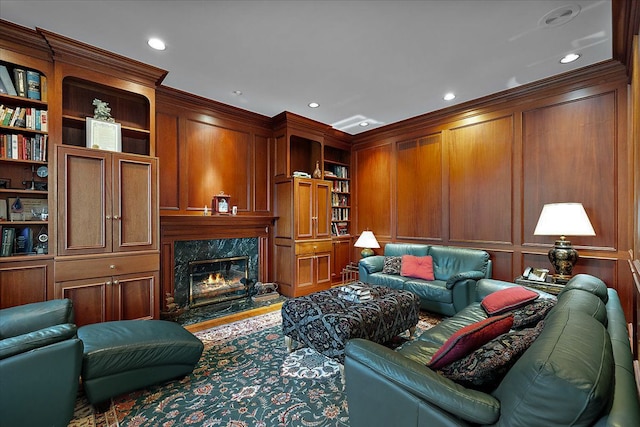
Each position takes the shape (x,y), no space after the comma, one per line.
(40,359)
(456,272)
(577,372)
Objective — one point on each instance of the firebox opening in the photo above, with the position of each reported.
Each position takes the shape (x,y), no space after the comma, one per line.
(218,280)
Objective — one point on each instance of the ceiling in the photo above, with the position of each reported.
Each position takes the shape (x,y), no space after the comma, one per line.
(374,61)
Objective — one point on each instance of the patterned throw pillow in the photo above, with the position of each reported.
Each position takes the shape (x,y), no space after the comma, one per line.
(484,368)
(532,313)
(392,265)
(470,338)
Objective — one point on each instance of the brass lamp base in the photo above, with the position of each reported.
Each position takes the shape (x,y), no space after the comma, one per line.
(366,252)
(563,257)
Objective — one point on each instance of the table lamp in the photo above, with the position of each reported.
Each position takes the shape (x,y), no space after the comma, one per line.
(563,219)
(367,241)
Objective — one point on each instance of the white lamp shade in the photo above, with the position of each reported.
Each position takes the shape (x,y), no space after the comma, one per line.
(367,240)
(564,219)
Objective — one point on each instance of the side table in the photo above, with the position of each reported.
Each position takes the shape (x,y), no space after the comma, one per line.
(549,287)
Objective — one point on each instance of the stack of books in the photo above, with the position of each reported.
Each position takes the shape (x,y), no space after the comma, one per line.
(355,293)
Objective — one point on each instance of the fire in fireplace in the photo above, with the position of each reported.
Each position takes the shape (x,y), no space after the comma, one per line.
(218,280)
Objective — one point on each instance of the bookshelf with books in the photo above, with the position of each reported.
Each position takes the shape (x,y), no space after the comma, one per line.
(26,263)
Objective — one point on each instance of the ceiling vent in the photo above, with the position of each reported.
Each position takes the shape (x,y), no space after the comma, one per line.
(559,16)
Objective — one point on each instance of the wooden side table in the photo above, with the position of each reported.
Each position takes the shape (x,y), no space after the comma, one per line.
(549,287)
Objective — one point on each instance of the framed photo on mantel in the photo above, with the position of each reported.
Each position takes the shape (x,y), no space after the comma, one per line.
(103,135)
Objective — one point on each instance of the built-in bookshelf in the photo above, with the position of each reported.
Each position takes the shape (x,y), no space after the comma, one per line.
(336,170)
(24,200)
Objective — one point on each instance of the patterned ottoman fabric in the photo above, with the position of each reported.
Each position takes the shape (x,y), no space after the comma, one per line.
(325,322)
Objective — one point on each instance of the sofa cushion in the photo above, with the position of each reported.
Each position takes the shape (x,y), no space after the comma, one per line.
(392,265)
(507,299)
(564,378)
(417,267)
(485,367)
(469,338)
(532,313)
(448,261)
(389,280)
(399,249)
(431,290)
(578,300)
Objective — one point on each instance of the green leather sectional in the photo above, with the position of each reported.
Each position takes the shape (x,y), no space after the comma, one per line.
(577,372)
(456,272)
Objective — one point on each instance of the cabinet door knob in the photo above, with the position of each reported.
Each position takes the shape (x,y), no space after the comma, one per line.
(108,217)
(108,283)
(116,217)
(112,266)
(115,282)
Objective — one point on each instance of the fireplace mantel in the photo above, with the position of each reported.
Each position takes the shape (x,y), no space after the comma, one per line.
(175,228)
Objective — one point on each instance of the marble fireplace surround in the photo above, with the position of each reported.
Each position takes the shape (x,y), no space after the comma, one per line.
(187,238)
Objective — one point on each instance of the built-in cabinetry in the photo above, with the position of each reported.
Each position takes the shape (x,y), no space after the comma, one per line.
(302,235)
(26,267)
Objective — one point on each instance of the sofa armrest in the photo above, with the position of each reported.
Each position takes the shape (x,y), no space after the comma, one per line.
(473,275)
(370,265)
(420,381)
(32,340)
(26,318)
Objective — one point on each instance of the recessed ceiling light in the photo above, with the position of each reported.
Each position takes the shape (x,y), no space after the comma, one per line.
(364,124)
(449,96)
(237,92)
(313,105)
(569,58)
(156,43)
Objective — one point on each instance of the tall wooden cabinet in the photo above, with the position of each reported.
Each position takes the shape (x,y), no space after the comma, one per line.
(302,235)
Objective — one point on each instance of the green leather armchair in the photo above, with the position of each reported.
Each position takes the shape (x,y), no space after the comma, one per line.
(40,361)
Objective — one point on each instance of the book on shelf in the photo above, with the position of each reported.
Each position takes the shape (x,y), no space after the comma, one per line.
(20,77)
(8,113)
(3,89)
(33,85)
(8,237)
(6,81)
(44,90)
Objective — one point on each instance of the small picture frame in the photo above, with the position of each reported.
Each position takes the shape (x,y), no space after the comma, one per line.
(5,183)
(538,274)
(104,135)
(221,202)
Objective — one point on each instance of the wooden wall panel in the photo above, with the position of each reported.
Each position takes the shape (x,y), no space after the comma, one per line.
(167,150)
(262,174)
(480,181)
(218,161)
(501,265)
(569,155)
(373,211)
(419,188)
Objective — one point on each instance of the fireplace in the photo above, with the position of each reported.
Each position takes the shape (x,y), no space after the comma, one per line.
(218,280)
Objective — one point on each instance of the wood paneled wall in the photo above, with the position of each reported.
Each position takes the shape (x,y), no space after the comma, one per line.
(206,148)
(477,175)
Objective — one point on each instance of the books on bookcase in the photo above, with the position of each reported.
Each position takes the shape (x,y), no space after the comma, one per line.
(18,81)
(8,238)
(24,117)
(23,147)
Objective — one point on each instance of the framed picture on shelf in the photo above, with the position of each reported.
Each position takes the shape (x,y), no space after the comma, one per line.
(104,135)
(221,202)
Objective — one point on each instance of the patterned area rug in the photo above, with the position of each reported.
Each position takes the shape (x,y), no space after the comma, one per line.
(239,382)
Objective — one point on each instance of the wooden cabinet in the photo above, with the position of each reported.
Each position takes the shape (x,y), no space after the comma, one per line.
(341,257)
(110,288)
(106,202)
(25,281)
(302,236)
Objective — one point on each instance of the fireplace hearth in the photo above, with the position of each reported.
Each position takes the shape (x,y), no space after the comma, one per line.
(218,280)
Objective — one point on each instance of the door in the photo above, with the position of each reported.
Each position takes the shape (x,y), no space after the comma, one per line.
(91,299)
(322,211)
(84,222)
(133,296)
(341,257)
(134,203)
(304,208)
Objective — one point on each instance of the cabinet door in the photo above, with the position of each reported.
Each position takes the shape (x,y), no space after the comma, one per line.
(322,209)
(134,203)
(91,299)
(323,270)
(304,274)
(84,221)
(134,297)
(24,282)
(304,209)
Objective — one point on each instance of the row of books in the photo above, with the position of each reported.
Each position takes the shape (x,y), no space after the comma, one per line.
(24,117)
(21,147)
(355,293)
(16,241)
(339,200)
(340,214)
(341,186)
(22,82)
(339,228)
(340,171)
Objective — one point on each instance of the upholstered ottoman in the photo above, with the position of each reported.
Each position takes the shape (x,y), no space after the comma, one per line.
(126,355)
(325,322)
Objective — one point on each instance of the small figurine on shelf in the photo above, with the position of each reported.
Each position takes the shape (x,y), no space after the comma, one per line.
(317,173)
(102,111)
(172,311)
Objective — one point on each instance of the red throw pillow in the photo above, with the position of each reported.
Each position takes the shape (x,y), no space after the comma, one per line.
(419,267)
(507,299)
(469,339)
